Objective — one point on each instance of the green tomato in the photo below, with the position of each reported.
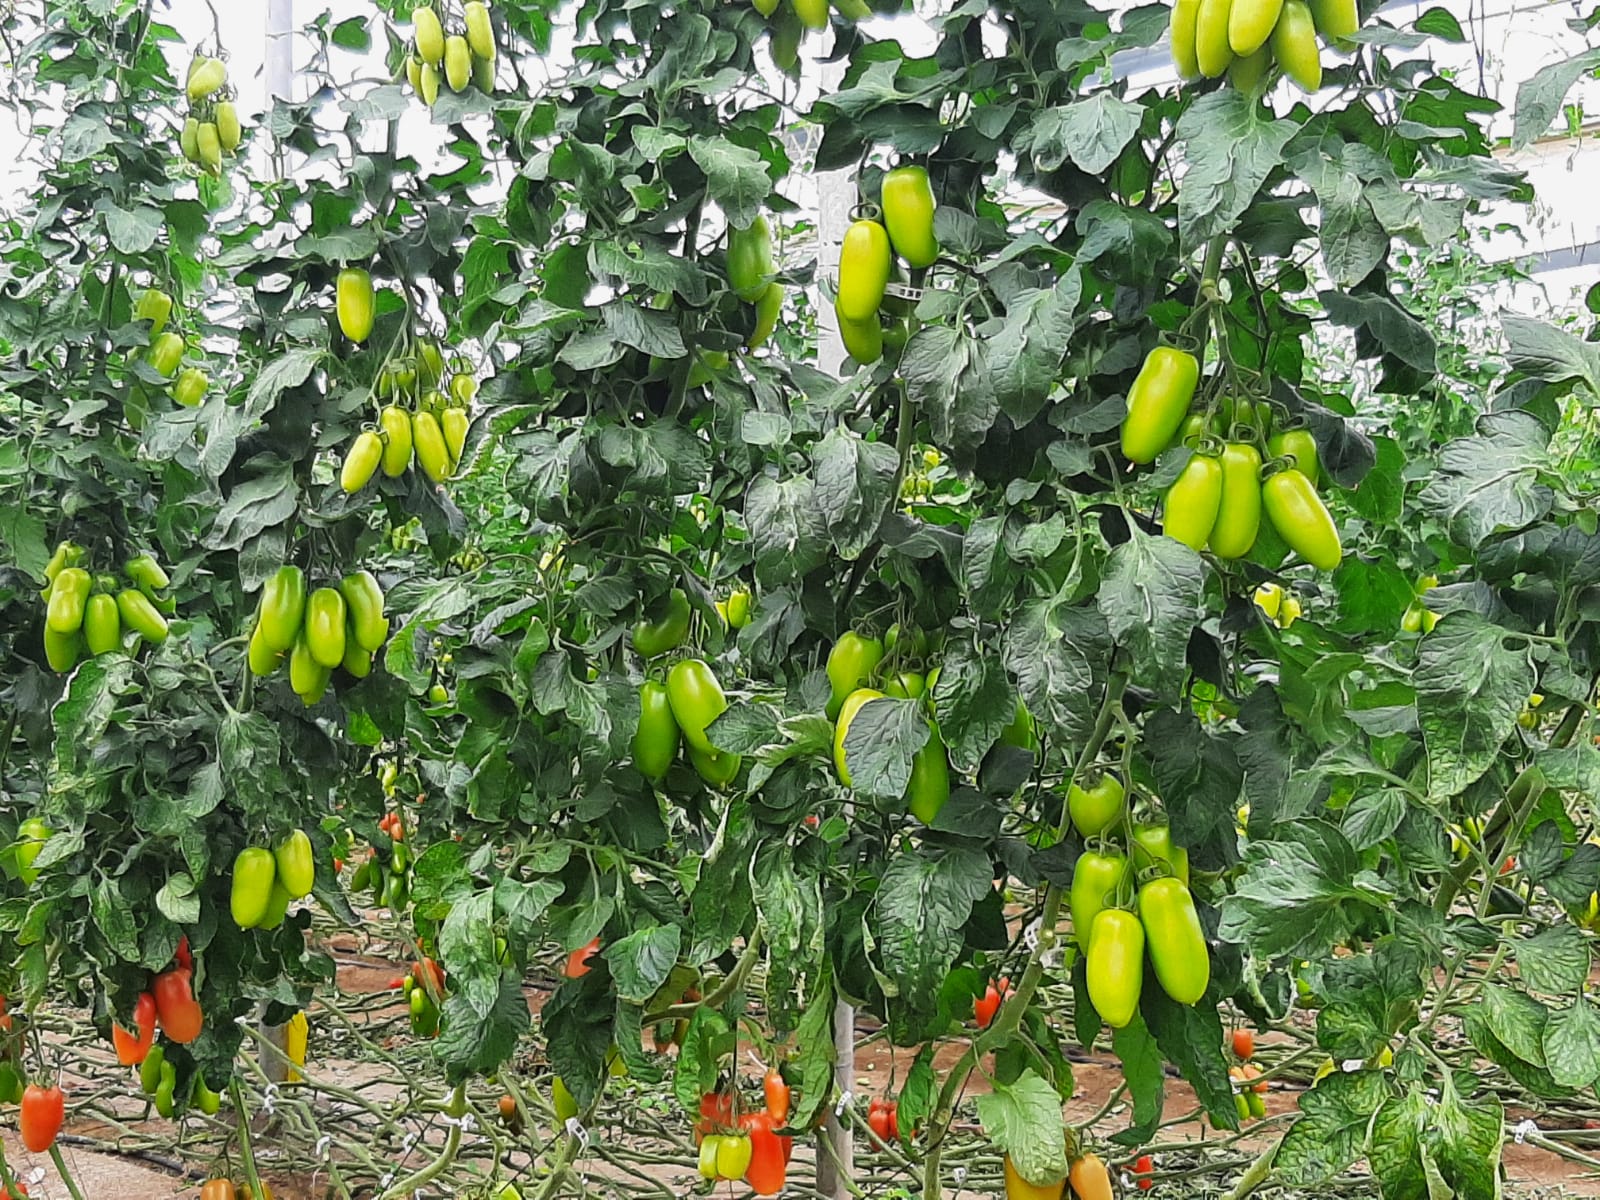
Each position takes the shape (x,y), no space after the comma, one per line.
(1097,809)
(1294,45)
(696,699)
(1299,446)
(864,262)
(1158,401)
(1115,965)
(656,741)
(929,786)
(908,214)
(1239,513)
(854,703)
(733,1156)
(666,626)
(1189,512)
(32,834)
(1302,519)
(1152,844)
(851,662)
(1097,878)
(1177,942)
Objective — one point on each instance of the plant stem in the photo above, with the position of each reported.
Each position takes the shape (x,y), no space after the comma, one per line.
(61,1169)
(246,1151)
(447,1154)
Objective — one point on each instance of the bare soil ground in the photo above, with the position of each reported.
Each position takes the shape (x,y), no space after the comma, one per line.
(1532,1173)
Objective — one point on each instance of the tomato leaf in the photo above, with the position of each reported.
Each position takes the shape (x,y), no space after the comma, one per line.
(790,908)
(1141,1067)
(1472,680)
(1332,1130)
(1150,598)
(1230,150)
(922,904)
(1296,892)
(883,737)
(1023,1120)
(853,482)
(700,1053)
(1490,484)
(641,962)
(1554,961)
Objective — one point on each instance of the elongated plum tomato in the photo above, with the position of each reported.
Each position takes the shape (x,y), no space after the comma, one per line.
(1294,45)
(750,264)
(1212,51)
(1177,941)
(656,741)
(1189,512)
(851,662)
(577,965)
(355,303)
(665,626)
(1115,965)
(1097,877)
(1018,1188)
(1157,402)
(1299,445)
(1302,519)
(929,786)
(363,601)
(864,262)
(1090,1178)
(1250,24)
(283,606)
(908,215)
(1181,31)
(697,700)
(1336,20)
(1097,808)
(1239,513)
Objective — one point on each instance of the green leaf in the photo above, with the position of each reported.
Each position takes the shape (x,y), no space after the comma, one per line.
(1571,1044)
(1058,654)
(1023,1120)
(788,532)
(790,907)
(1396,331)
(254,504)
(1028,345)
(1229,148)
(1142,1068)
(641,962)
(736,177)
(974,701)
(854,479)
(1295,895)
(1092,133)
(178,901)
(922,904)
(1134,239)
(1541,95)
(1151,600)
(113,916)
(1490,484)
(1471,685)
(1548,353)
(473,1042)
(22,534)
(1332,1131)
(700,1057)
(1191,1037)
(1466,1142)
(813,1043)
(884,735)
(1554,961)
(1396,1153)
(132,230)
(278,375)
(946,373)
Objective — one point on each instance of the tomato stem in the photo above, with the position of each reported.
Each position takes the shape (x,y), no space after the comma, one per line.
(61,1169)
(447,1153)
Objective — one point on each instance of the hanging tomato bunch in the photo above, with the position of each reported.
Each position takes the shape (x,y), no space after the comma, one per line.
(461,55)
(333,627)
(212,129)
(86,612)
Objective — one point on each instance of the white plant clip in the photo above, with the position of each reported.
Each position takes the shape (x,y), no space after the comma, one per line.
(1523,1129)
(575,1129)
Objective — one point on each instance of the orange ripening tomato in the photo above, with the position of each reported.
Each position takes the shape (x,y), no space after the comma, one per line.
(43,1109)
(1090,1179)
(1244,1044)
(777,1094)
(132,1047)
(577,965)
(985,1007)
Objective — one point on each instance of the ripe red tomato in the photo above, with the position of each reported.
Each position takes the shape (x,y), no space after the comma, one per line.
(578,961)
(1244,1045)
(43,1109)
(984,1008)
(1143,1167)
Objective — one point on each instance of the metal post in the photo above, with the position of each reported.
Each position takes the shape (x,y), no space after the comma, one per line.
(279,53)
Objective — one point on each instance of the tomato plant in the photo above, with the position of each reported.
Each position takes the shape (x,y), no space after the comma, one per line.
(502,516)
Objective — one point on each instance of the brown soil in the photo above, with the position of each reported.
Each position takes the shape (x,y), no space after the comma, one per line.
(1530,1171)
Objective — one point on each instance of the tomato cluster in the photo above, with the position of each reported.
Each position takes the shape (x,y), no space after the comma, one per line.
(266,881)
(868,317)
(432,431)
(459,58)
(332,627)
(212,127)
(167,348)
(748,1145)
(85,612)
(391,882)
(1244,37)
(1162,919)
(424,992)
(751,268)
